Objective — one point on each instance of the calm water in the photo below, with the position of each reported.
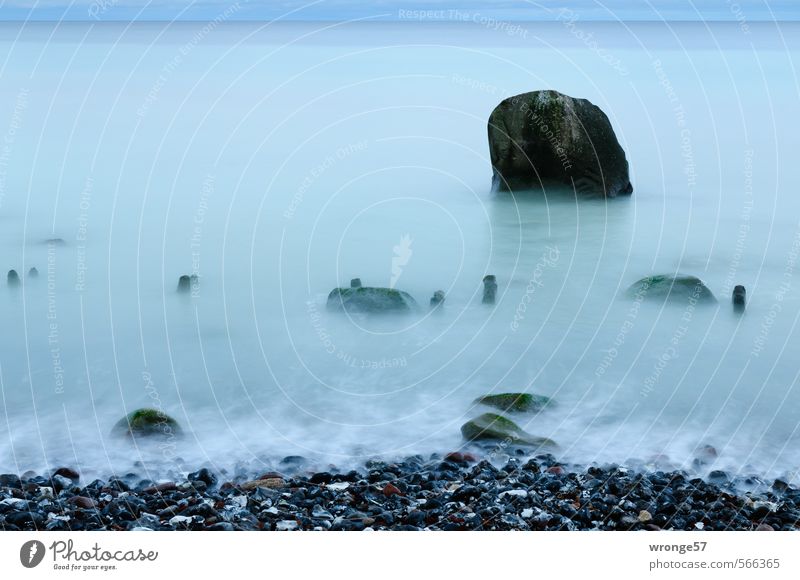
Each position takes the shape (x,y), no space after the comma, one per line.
(278,162)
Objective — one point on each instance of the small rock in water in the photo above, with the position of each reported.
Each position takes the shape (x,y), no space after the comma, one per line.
(459,457)
(33,273)
(705,455)
(148,423)
(739,296)
(718,475)
(13,278)
(370,300)
(60,482)
(515,402)
(68,473)
(321,478)
(489,289)
(205,476)
(645,516)
(674,288)
(494,427)
(437,299)
(293,461)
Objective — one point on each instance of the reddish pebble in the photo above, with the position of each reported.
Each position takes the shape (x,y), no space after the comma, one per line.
(391,490)
(556,470)
(68,473)
(459,457)
(161,487)
(82,502)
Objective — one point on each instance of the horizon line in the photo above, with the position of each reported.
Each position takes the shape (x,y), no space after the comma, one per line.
(383,21)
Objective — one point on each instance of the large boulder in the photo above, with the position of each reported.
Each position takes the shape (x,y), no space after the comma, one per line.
(545,137)
(494,427)
(672,288)
(365,299)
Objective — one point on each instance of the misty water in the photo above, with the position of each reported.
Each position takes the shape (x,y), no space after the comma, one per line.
(279,161)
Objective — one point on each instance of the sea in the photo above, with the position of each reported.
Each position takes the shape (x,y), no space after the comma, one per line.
(276,161)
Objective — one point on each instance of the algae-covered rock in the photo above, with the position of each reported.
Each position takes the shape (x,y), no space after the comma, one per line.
(515,402)
(672,287)
(370,300)
(494,427)
(147,422)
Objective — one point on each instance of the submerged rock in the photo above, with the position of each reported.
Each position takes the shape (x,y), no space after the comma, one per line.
(739,298)
(546,137)
(677,288)
(489,289)
(494,427)
(33,273)
(186,283)
(367,299)
(437,299)
(515,402)
(13,278)
(147,422)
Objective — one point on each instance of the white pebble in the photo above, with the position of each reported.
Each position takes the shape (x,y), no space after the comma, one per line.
(514,493)
(176,520)
(286,525)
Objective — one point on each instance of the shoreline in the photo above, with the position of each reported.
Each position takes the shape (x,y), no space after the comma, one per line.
(457,491)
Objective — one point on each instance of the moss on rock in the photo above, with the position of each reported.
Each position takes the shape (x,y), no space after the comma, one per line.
(676,288)
(370,300)
(147,422)
(494,427)
(516,402)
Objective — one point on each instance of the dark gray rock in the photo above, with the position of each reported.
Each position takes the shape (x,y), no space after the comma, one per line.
(546,137)
(739,298)
(187,283)
(437,299)
(365,299)
(675,288)
(489,289)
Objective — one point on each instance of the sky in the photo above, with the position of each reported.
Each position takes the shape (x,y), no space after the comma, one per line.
(399,10)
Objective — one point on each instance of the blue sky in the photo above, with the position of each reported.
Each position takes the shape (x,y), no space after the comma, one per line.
(749,10)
